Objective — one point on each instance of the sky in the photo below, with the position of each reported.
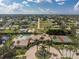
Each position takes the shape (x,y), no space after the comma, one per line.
(39,7)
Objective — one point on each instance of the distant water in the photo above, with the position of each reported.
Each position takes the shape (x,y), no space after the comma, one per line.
(15,15)
(37,14)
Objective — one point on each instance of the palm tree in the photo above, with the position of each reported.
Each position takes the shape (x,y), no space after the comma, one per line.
(62,49)
(29,42)
(70,49)
(49,44)
(42,38)
(37,43)
(74,50)
(66,47)
(18,42)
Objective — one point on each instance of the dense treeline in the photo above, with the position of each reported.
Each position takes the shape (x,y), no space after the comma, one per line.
(58,32)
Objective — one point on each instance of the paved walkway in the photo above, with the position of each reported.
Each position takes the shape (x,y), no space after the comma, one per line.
(30,54)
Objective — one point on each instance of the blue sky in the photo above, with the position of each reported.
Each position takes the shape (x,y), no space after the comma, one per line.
(39,6)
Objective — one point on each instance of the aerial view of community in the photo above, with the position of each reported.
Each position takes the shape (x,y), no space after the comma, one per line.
(39,29)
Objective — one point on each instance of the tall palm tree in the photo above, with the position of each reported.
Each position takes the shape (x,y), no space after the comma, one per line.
(49,44)
(37,43)
(70,48)
(66,48)
(74,51)
(18,42)
(62,49)
(42,39)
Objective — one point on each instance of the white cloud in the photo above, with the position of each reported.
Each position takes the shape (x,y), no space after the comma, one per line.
(26,3)
(29,0)
(50,1)
(19,8)
(47,11)
(42,10)
(39,1)
(76,7)
(6,9)
(36,1)
(60,2)
(14,7)
(2,4)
